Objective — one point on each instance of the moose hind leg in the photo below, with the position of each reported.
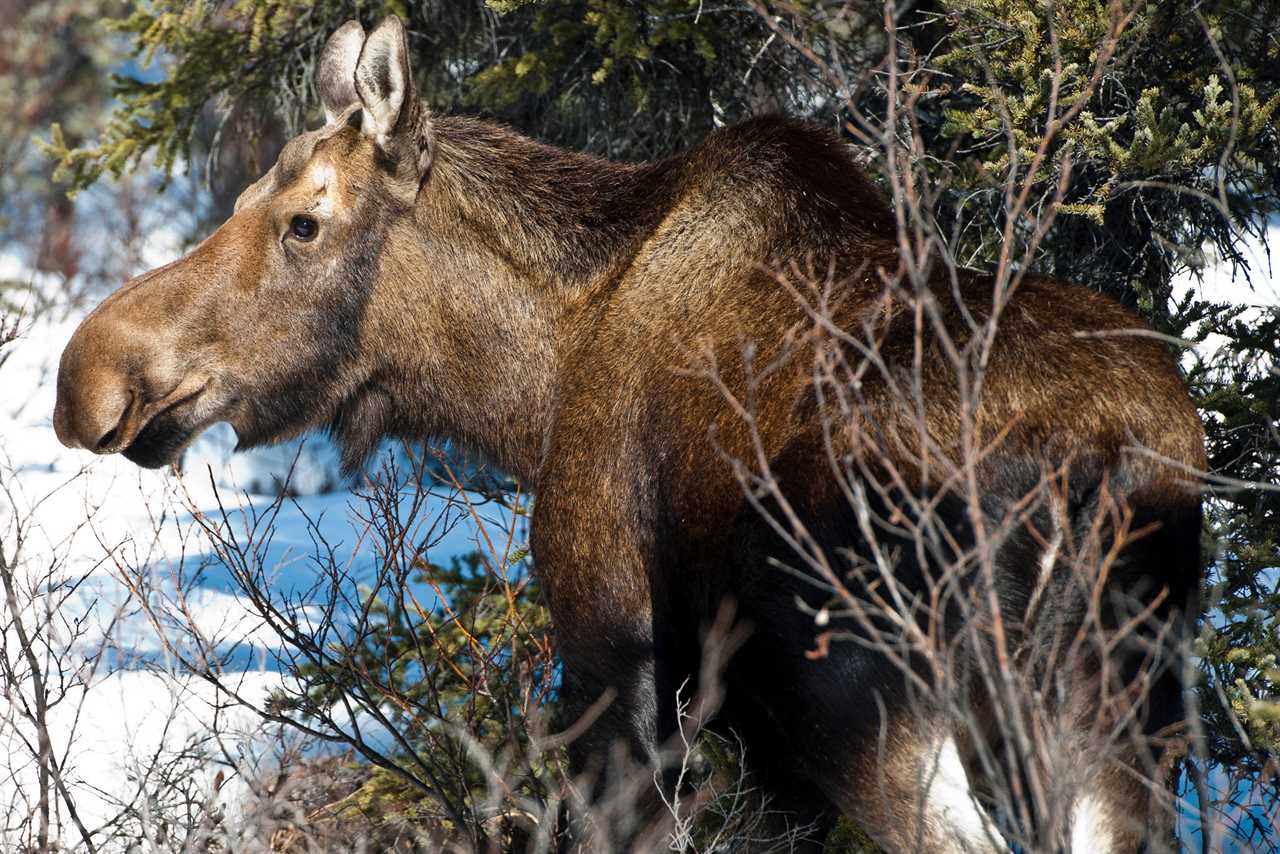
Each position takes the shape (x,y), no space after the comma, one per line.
(910,791)
(845,724)
(1127,706)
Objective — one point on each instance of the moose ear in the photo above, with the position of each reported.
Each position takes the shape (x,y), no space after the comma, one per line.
(336,70)
(384,81)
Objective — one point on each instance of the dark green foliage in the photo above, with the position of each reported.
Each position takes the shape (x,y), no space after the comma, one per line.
(577,73)
(1240,395)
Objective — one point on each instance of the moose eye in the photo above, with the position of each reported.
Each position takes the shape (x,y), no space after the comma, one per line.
(303,228)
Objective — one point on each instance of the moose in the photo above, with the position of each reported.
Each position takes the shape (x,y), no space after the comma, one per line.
(399,273)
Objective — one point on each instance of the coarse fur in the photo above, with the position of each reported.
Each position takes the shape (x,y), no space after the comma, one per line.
(557,312)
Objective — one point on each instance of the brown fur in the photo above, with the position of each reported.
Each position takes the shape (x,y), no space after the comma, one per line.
(546,307)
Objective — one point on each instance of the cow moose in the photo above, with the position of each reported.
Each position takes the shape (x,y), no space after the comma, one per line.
(399,273)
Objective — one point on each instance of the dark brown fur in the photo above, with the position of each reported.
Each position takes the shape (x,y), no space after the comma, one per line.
(546,307)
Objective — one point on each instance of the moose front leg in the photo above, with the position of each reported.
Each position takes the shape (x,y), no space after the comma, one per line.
(619,680)
(615,694)
(610,704)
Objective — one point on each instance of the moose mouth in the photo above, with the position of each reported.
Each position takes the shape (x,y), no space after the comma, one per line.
(159,442)
(163,438)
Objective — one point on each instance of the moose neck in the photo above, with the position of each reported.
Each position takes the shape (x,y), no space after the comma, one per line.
(512,239)
(558,218)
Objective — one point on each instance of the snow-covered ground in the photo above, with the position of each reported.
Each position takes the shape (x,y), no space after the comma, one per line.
(96,526)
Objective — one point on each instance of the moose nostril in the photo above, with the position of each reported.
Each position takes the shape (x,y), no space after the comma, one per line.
(107,439)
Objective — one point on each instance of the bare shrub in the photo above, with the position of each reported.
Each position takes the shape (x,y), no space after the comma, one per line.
(439,680)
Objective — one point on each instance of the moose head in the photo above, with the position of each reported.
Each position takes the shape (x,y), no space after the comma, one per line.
(347,290)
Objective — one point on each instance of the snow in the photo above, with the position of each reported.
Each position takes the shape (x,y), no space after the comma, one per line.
(1219,282)
(108,524)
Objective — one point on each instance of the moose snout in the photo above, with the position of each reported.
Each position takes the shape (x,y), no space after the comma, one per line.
(117,371)
(96,423)
(128,382)
(133,377)
(97,404)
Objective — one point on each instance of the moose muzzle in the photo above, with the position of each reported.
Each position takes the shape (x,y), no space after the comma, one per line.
(120,386)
